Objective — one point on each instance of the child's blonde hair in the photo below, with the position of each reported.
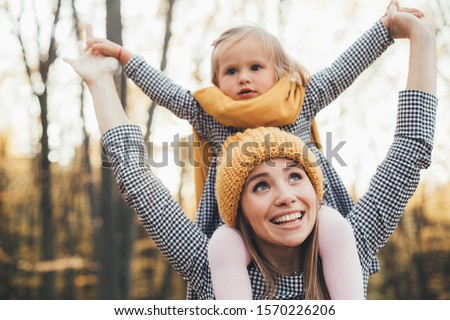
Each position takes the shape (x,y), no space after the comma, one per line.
(283,64)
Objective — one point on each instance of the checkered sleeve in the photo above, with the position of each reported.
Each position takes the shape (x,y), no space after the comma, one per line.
(180,240)
(165,93)
(326,85)
(376,215)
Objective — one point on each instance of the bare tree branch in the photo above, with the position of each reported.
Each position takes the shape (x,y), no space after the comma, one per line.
(162,67)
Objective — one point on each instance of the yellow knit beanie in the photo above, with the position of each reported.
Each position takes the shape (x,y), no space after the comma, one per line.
(242,152)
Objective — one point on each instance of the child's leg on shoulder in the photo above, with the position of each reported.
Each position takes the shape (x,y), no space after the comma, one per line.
(228,260)
(340,261)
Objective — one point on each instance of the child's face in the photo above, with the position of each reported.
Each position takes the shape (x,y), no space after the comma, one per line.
(245,71)
(279,202)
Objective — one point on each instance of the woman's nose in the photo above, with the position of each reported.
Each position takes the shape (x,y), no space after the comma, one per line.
(285,197)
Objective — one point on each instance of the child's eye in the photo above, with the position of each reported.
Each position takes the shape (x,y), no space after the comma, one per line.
(260,186)
(256,67)
(231,71)
(295,177)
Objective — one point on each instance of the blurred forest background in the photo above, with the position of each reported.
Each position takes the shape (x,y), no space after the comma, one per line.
(65,233)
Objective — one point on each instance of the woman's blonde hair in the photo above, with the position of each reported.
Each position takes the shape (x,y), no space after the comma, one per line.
(279,59)
(314,286)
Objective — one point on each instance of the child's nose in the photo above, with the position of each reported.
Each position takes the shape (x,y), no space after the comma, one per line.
(244,78)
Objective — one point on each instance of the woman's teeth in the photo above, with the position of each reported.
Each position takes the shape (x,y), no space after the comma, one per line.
(288,218)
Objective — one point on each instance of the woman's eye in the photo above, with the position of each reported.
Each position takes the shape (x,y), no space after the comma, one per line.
(256,67)
(295,177)
(231,71)
(260,186)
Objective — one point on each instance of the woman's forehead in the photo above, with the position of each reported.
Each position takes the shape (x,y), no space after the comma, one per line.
(276,163)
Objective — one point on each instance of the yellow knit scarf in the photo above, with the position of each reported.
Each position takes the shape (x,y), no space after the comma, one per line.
(279,106)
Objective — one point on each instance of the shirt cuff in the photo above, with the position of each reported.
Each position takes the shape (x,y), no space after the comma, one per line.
(124,144)
(133,64)
(382,33)
(416,115)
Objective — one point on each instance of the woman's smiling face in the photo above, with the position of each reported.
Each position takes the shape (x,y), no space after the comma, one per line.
(279,202)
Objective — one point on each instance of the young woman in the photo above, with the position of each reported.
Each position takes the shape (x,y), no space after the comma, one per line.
(373,219)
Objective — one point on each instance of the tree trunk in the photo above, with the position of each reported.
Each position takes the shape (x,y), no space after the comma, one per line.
(48,229)
(47,290)
(118,224)
(6,239)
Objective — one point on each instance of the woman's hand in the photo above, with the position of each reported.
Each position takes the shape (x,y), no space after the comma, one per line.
(92,67)
(422,71)
(406,25)
(395,21)
(97,71)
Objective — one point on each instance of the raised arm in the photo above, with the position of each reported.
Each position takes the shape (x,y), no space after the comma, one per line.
(422,72)
(328,84)
(165,92)
(180,240)
(377,213)
(153,83)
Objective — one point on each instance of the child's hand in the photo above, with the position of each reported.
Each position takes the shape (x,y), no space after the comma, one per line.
(101,46)
(404,24)
(106,48)
(398,20)
(92,67)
